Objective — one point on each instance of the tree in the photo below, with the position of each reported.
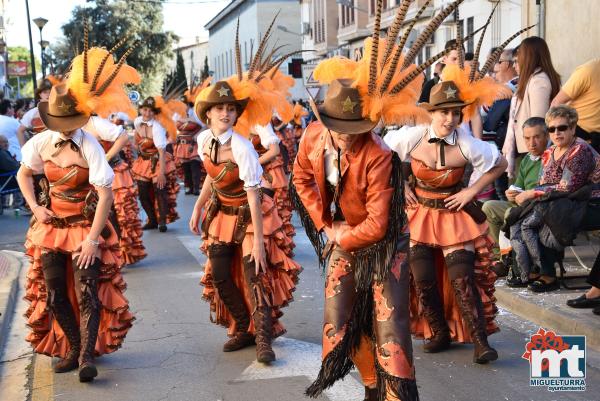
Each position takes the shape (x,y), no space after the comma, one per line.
(176,79)
(20,53)
(112,20)
(205,72)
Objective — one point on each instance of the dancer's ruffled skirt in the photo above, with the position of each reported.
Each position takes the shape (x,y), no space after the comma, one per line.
(279,281)
(45,334)
(441,228)
(279,183)
(128,215)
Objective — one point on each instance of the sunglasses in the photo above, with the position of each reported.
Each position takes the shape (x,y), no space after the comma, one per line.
(560,128)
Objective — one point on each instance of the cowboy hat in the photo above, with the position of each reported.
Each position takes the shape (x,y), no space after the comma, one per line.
(219,93)
(444,95)
(341,110)
(60,112)
(150,103)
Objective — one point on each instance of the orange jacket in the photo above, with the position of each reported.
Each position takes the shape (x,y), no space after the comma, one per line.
(366,191)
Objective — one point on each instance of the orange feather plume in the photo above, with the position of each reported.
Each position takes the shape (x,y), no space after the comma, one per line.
(165,117)
(482,92)
(299,112)
(400,108)
(113,98)
(55,79)
(194,91)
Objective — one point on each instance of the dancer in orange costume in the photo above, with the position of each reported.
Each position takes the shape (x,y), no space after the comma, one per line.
(154,169)
(125,212)
(267,144)
(450,253)
(74,250)
(249,276)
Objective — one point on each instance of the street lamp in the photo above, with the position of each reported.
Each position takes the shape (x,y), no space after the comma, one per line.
(284,29)
(40,22)
(44,44)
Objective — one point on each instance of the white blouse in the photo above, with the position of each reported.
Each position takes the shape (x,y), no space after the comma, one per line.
(103,129)
(482,155)
(243,152)
(100,172)
(267,136)
(29,116)
(159,133)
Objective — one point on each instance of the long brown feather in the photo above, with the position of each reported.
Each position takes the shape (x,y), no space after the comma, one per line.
(267,60)
(475,65)
(261,48)
(427,32)
(85,51)
(375,49)
(500,49)
(459,40)
(413,74)
(410,26)
(399,49)
(395,30)
(112,76)
(238,56)
(104,60)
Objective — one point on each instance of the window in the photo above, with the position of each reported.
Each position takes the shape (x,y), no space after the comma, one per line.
(470,42)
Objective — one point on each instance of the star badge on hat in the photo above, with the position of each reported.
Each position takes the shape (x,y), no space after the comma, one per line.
(450,93)
(223,91)
(64,107)
(348,105)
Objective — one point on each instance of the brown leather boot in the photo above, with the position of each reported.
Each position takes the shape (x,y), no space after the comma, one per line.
(53,265)
(431,304)
(89,307)
(263,323)
(162,199)
(472,312)
(144,190)
(232,298)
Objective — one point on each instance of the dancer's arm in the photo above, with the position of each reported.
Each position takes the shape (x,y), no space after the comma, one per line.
(89,246)
(258,248)
(161,179)
(269,155)
(117,146)
(199,205)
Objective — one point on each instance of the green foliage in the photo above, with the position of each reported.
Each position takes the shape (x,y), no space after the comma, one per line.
(176,80)
(205,71)
(20,53)
(112,20)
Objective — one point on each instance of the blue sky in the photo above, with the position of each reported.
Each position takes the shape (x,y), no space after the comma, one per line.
(184,17)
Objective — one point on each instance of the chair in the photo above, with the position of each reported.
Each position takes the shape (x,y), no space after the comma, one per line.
(11,177)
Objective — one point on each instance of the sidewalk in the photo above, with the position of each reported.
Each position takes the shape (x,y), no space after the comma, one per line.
(10,267)
(550,310)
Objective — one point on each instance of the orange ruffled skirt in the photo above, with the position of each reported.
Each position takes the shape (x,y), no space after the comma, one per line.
(440,228)
(126,206)
(142,171)
(278,283)
(46,336)
(279,183)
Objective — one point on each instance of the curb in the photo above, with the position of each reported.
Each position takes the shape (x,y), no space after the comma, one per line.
(9,288)
(551,312)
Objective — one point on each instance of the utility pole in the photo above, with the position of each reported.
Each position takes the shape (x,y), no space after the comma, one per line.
(33,74)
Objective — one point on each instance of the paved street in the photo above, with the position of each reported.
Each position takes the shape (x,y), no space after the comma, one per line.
(173,352)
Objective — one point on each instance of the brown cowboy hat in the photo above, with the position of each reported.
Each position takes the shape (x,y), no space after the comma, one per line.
(150,102)
(43,85)
(219,93)
(444,95)
(341,110)
(59,113)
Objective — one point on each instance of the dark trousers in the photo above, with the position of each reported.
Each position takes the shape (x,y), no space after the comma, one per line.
(592,222)
(191,175)
(593,138)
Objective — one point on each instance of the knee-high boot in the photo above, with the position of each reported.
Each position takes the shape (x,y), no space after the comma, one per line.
(144,188)
(421,259)
(162,198)
(89,307)
(54,267)
(460,265)
(261,314)
(221,257)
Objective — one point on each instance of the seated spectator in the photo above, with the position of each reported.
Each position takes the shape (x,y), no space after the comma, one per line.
(7,165)
(8,127)
(549,216)
(536,138)
(582,92)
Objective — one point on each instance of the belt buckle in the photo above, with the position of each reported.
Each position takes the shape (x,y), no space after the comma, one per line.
(59,222)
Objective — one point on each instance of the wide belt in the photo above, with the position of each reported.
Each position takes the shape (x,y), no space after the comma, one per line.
(64,222)
(185,141)
(432,203)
